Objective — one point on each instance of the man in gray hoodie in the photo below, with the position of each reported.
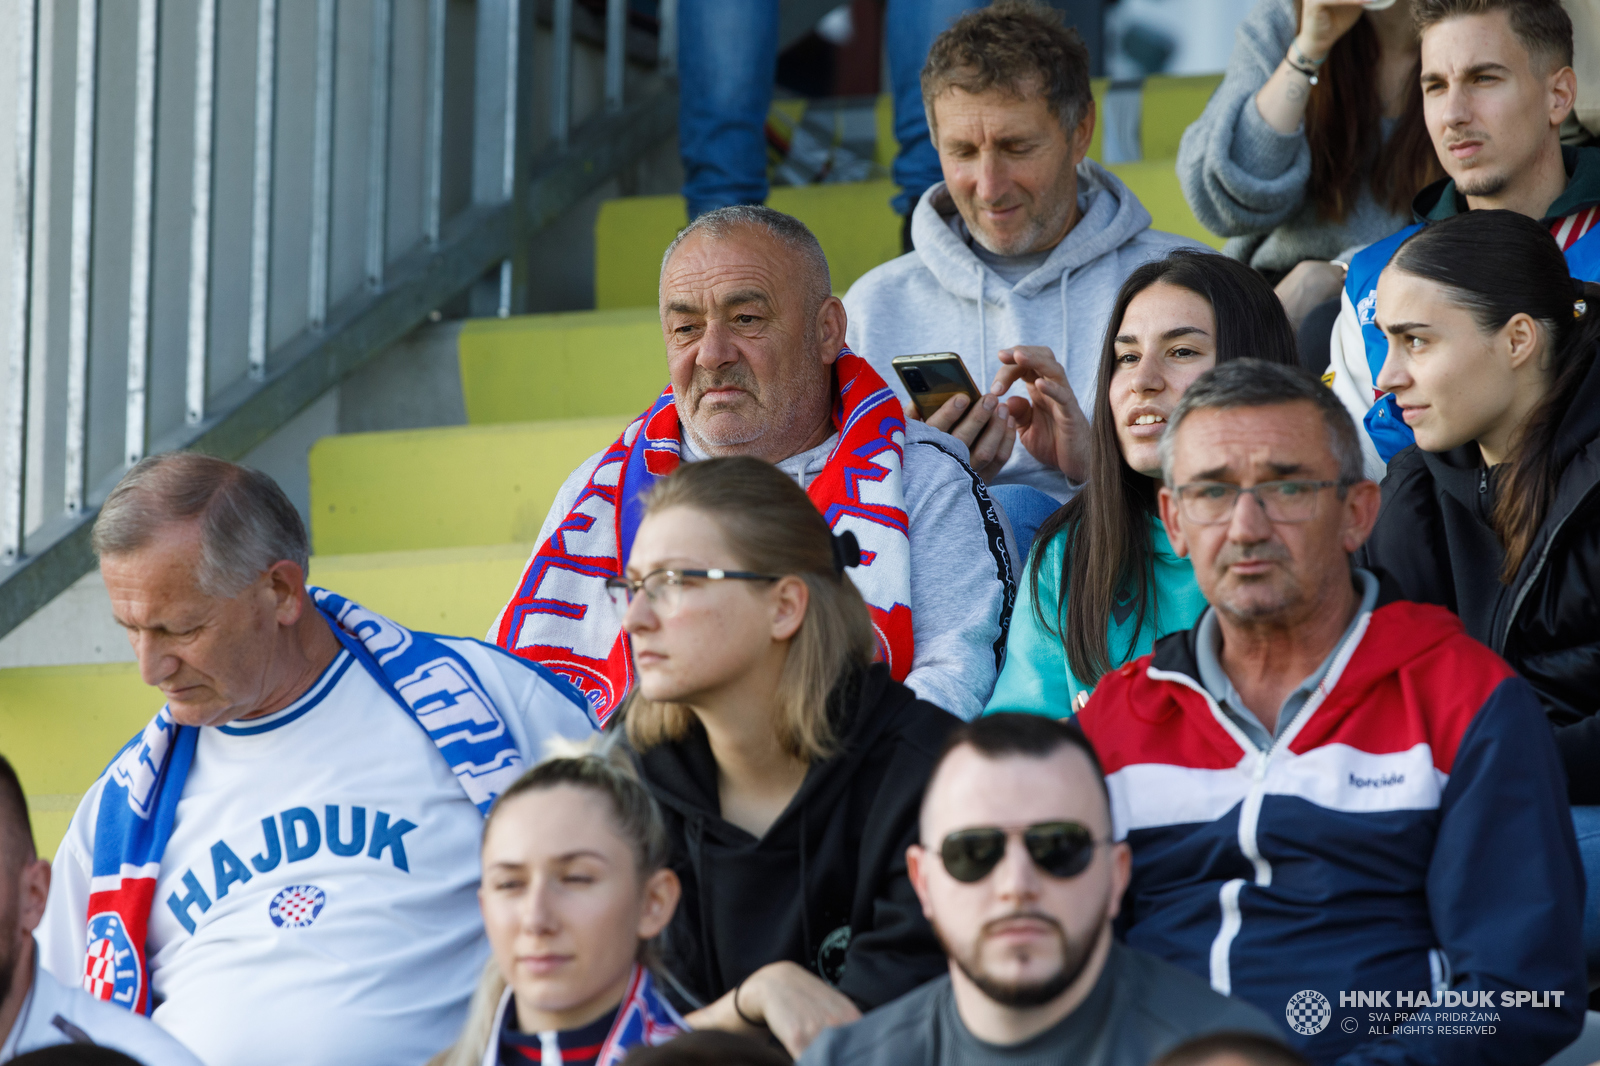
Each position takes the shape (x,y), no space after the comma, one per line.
(1019,253)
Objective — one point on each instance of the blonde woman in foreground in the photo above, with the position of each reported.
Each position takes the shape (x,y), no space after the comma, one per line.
(575,887)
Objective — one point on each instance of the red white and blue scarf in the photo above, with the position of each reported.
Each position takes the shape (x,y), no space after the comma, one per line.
(559,614)
(429,680)
(644,1018)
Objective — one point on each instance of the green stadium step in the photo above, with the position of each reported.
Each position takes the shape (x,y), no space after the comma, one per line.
(61,725)
(453,487)
(1155,183)
(1167,107)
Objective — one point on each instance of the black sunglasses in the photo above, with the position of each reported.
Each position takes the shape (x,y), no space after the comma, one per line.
(1060,849)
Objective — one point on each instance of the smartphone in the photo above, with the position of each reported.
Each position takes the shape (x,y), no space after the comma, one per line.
(933,378)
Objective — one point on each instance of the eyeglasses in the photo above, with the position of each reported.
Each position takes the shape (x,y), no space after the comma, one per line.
(1060,849)
(663,589)
(1208,502)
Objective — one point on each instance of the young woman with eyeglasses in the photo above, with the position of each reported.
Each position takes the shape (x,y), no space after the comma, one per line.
(788,764)
(1103,583)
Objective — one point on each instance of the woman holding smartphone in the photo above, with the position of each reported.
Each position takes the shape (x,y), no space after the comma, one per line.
(575,888)
(1103,583)
(788,764)
(1314,145)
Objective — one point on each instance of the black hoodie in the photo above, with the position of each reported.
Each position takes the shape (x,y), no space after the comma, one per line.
(1434,539)
(826,887)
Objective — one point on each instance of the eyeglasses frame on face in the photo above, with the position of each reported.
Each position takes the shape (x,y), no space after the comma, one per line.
(630,588)
(1008,831)
(1184,501)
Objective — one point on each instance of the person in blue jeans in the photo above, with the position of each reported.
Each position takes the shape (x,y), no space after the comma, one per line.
(727,58)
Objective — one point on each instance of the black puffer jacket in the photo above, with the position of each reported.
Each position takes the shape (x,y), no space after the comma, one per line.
(826,887)
(1433,538)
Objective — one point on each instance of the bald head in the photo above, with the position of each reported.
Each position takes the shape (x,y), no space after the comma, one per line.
(797,245)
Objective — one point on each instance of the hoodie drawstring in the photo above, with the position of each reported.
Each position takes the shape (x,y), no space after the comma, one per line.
(983,331)
(805,914)
(1061,283)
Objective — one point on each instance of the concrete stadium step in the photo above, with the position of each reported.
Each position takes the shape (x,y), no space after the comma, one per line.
(61,725)
(451,487)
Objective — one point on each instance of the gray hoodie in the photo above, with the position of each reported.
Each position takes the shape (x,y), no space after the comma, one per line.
(928,300)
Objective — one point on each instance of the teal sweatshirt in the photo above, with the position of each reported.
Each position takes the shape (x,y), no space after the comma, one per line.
(1036,678)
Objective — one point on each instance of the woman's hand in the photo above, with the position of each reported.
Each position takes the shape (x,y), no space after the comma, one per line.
(1282,100)
(988,430)
(1050,424)
(793,1003)
(1322,24)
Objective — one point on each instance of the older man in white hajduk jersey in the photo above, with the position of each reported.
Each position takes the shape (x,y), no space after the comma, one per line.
(283,867)
(37,1011)
(1019,253)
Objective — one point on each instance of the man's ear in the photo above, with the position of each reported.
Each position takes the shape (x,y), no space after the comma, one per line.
(831,321)
(1168,504)
(917,860)
(1121,874)
(1563,93)
(287,584)
(1361,504)
(1083,133)
(35,886)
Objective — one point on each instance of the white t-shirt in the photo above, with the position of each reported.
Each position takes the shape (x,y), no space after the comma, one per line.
(54,1014)
(317,901)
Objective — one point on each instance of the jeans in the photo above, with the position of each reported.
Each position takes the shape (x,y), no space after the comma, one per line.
(910,27)
(1027,508)
(727,56)
(1586,820)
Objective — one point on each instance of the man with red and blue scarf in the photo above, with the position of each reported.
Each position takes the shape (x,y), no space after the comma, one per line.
(758,366)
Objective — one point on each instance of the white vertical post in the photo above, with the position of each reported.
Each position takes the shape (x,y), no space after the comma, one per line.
(261,191)
(322,162)
(616,51)
(136,422)
(15,415)
(83,130)
(205,77)
(561,72)
(378,144)
(435,145)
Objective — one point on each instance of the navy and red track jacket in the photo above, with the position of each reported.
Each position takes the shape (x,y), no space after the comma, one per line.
(1409,832)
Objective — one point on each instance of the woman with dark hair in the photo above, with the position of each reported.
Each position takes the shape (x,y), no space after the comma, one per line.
(1314,145)
(1103,582)
(1493,513)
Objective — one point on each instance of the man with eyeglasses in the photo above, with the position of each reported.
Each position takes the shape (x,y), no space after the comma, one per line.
(1019,876)
(1340,807)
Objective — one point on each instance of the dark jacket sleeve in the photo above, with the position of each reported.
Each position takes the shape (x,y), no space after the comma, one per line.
(1579,745)
(1408,542)
(1505,893)
(892,947)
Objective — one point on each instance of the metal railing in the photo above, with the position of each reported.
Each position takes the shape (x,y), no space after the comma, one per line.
(221,209)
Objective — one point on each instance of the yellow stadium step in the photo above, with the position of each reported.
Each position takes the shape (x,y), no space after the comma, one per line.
(852,221)
(451,487)
(578,364)
(61,725)
(1155,183)
(1168,104)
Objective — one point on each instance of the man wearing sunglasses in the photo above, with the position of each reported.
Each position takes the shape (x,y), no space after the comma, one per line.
(1020,878)
(1332,795)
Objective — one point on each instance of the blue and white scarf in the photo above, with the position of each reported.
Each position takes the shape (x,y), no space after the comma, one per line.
(433,684)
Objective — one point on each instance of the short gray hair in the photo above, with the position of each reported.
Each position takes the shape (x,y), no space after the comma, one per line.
(785,229)
(247,524)
(1256,383)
